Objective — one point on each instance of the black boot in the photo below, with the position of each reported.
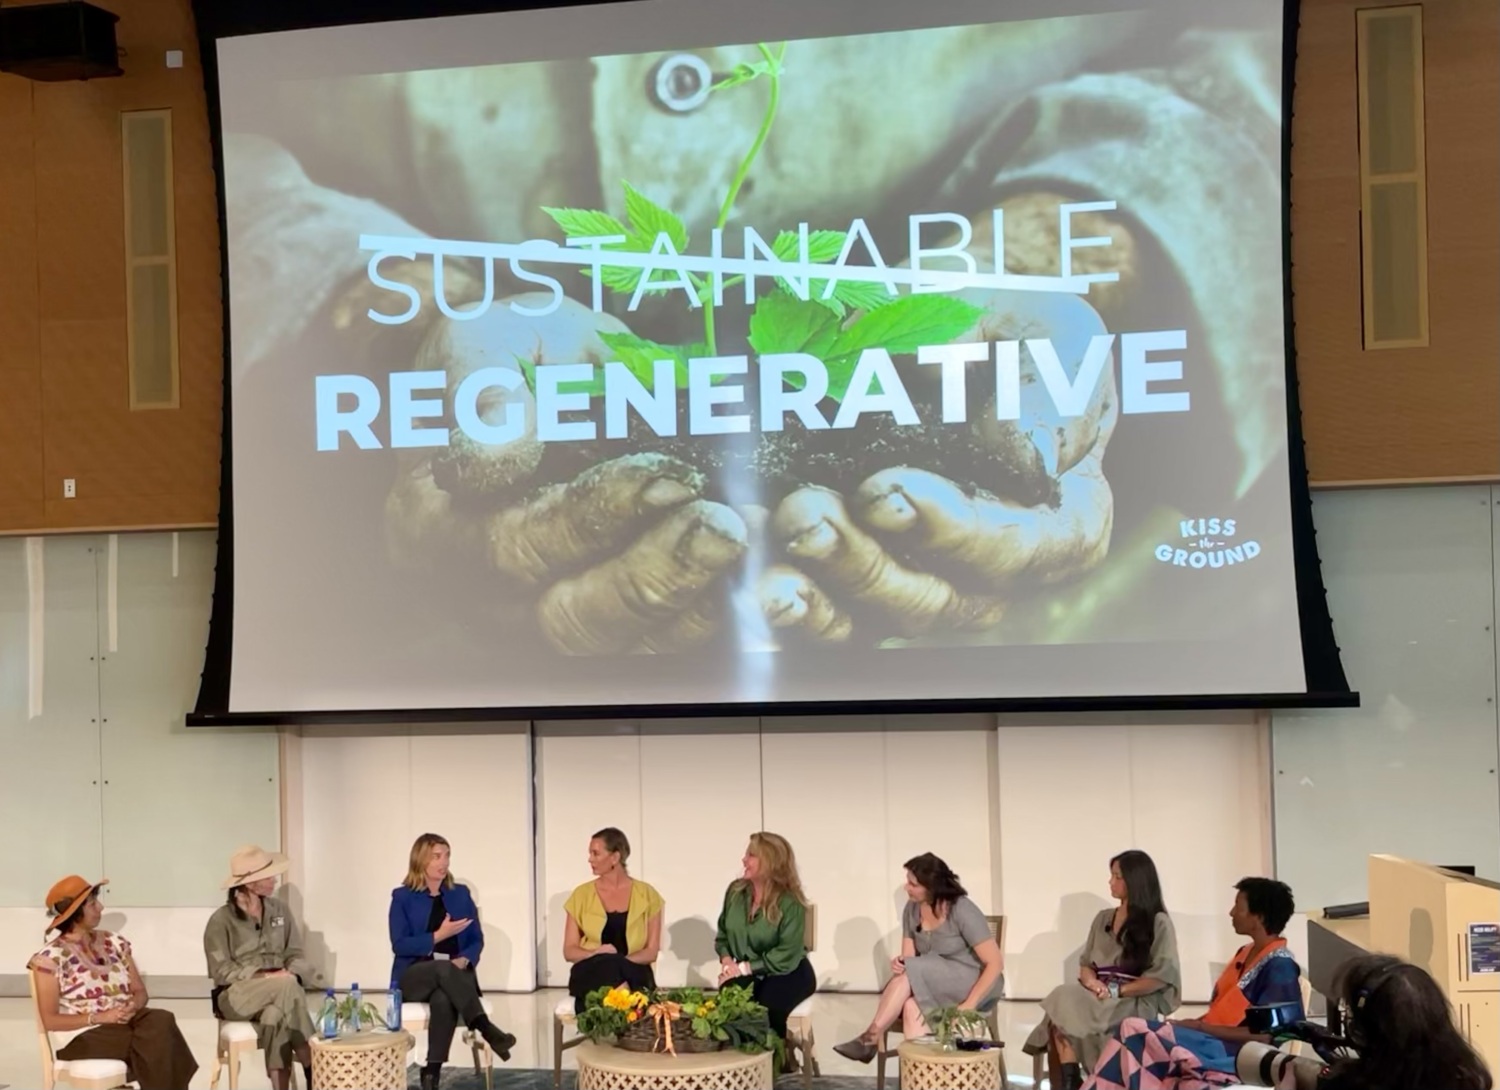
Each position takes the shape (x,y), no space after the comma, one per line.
(307,1071)
(431,1075)
(498,1040)
(1072,1077)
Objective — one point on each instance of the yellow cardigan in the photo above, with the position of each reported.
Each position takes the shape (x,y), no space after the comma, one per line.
(588,913)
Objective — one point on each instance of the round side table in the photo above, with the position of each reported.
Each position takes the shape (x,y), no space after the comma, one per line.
(928,1067)
(375,1060)
(604,1067)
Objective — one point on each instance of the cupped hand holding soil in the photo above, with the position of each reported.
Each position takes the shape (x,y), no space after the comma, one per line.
(625,557)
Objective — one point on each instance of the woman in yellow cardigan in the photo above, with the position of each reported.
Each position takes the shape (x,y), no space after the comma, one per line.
(613,931)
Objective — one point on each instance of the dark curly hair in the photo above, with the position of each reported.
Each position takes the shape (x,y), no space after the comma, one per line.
(1402,1027)
(937,878)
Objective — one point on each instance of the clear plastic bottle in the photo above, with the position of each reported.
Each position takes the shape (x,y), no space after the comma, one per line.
(393,1008)
(356,1001)
(328,1017)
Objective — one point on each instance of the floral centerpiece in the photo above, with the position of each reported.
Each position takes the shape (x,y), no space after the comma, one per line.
(678,1020)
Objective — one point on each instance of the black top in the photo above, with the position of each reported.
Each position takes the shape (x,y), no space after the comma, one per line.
(614,932)
(449,945)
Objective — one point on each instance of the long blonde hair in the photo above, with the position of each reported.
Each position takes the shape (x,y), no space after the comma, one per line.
(778,868)
(421,851)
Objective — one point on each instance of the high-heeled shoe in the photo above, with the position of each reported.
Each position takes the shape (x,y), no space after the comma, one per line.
(861,1050)
(1072,1077)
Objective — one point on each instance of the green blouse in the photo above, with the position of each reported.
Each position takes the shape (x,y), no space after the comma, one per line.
(771,949)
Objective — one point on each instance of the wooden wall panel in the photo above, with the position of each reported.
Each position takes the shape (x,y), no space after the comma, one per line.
(20,377)
(1405,414)
(66,411)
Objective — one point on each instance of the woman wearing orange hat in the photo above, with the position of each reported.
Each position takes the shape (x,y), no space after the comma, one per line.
(87,984)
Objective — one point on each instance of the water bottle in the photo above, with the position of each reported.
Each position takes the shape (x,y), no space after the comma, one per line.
(328,1018)
(356,1000)
(393,1009)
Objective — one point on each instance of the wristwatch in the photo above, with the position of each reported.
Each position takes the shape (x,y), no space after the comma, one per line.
(1114,989)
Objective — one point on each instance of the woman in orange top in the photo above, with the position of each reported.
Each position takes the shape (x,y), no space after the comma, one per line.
(1201,1052)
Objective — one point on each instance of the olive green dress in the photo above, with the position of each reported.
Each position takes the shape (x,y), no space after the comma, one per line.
(1086,1020)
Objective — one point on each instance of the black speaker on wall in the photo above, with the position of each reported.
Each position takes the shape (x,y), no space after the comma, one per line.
(56,42)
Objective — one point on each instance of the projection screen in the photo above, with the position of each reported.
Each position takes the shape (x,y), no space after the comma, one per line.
(709,354)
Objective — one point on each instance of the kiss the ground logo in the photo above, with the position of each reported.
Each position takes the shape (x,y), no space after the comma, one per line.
(1207,543)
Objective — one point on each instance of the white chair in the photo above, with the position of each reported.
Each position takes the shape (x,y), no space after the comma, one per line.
(799,1024)
(87,1074)
(235,1039)
(562,1017)
(992,1021)
(414,1018)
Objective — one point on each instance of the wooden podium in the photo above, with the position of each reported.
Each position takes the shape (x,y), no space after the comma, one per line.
(1449,924)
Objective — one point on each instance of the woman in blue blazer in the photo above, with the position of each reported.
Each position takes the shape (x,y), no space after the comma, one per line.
(436,938)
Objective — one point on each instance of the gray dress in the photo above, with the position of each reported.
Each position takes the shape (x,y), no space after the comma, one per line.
(1087,1021)
(946,967)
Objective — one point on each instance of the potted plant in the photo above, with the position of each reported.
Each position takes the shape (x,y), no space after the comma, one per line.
(347,1008)
(952,1024)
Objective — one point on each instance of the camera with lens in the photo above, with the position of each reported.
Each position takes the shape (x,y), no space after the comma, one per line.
(1269,1065)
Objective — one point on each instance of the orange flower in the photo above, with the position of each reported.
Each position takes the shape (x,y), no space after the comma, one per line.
(632,1016)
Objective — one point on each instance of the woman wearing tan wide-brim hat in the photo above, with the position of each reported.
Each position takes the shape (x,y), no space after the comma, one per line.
(87,983)
(256,963)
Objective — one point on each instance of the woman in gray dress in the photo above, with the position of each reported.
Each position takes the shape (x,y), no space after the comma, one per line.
(1129,968)
(948,958)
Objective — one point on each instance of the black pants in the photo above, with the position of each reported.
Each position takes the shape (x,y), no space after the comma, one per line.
(450,994)
(781,994)
(606,971)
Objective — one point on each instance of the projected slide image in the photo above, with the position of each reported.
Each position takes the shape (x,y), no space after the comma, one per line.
(751,372)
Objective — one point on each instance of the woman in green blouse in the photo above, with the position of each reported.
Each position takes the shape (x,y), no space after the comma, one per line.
(761,941)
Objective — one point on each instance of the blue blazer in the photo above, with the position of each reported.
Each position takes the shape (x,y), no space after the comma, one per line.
(410,939)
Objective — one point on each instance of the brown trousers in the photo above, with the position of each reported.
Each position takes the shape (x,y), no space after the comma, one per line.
(155,1054)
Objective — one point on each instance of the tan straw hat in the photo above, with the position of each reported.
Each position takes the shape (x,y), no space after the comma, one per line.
(251,864)
(67,896)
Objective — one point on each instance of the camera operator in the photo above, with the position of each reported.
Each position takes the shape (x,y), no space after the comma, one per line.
(1402,1029)
(1401,1037)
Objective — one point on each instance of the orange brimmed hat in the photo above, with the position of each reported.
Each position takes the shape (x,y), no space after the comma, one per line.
(67,896)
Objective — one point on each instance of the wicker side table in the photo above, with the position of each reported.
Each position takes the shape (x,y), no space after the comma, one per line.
(603,1067)
(928,1067)
(361,1061)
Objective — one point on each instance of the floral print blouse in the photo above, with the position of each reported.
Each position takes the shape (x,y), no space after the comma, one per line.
(92,976)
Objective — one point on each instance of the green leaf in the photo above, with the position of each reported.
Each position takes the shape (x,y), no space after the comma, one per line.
(784,323)
(855,294)
(528,371)
(824,247)
(649,219)
(906,324)
(840,371)
(821,246)
(640,355)
(584,223)
(743,73)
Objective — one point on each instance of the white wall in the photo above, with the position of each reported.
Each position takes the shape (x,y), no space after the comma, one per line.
(366,794)
(1193,792)
(1415,771)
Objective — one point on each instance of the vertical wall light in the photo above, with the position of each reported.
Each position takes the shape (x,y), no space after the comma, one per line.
(150,259)
(1393,177)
